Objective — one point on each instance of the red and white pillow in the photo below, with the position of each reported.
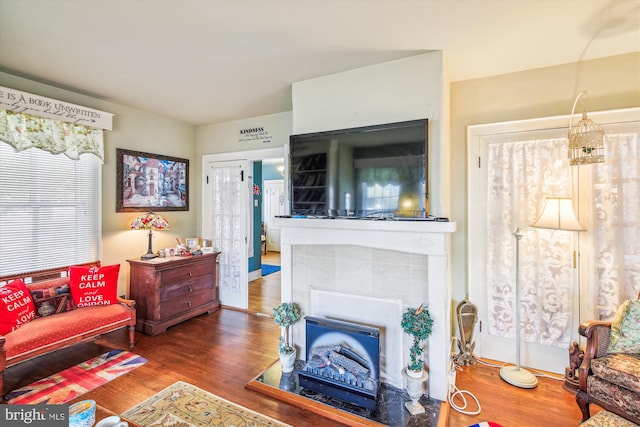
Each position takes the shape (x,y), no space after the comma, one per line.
(16,306)
(94,285)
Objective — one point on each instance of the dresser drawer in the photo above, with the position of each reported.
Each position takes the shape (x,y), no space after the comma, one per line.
(174,307)
(185,289)
(186,272)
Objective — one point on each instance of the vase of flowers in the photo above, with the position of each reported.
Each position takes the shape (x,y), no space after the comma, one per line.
(285,315)
(417,323)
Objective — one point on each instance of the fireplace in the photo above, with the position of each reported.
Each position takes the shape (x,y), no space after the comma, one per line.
(367,272)
(343,361)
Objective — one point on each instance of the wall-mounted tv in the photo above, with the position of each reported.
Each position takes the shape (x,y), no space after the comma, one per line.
(375,171)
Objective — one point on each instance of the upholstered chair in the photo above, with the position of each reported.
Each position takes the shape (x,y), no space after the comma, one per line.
(609,374)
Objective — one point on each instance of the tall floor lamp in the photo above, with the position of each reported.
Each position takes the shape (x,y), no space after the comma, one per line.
(557,214)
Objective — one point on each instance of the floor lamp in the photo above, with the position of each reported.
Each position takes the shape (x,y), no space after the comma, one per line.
(515,375)
(557,214)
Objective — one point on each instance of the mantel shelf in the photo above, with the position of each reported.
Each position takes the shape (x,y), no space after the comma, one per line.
(368,224)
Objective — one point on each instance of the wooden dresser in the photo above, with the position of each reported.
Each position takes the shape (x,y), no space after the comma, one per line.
(171,290)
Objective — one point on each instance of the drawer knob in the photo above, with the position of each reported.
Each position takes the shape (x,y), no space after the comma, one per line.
(189,274)
(190,288)
(189,303)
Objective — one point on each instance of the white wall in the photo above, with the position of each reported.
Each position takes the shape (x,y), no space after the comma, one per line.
(405,89)
(612,83)
(226,137)
(139,131)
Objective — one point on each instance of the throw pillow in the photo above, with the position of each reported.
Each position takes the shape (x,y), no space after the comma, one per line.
(625,329)
(94,285)
(56,299)
(16,306)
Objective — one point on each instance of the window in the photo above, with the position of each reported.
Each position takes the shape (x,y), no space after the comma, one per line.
(50,210)
(378,197)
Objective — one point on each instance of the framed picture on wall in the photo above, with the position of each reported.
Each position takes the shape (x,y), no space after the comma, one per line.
(151,182)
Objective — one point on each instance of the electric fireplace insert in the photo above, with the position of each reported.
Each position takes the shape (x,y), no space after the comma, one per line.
(343,361)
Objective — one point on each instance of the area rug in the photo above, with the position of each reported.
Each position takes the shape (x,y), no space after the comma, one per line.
(268,269)
(73,382)
(185,405)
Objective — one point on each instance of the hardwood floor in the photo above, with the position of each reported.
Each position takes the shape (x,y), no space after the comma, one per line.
(548,404)
(264,293)
(221,352)
(218,352)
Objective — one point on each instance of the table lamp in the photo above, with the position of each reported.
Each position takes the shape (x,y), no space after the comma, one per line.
(150,221)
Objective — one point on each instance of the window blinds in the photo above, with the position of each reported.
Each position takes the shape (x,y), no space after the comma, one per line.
(50,210)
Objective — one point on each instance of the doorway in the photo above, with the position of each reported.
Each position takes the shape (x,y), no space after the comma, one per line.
(237,263)
(273,205)
(264,292)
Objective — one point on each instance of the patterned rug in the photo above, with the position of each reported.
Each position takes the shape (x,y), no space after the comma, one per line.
(184,405)
(268,269)
(73,382)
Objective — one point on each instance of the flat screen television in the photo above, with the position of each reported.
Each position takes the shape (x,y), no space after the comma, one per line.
(373,172)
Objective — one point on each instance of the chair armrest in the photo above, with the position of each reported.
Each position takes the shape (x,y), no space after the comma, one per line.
(598,334)
(128,302)
(3,365)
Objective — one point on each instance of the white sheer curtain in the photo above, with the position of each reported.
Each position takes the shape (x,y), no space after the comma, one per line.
(615,234)
(526,167)
(226,232)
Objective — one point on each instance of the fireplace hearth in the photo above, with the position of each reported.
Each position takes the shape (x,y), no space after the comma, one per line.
(343,361)
(389,411)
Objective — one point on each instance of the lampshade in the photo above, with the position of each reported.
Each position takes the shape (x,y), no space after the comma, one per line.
(150,221)
(557,214)
(586,139)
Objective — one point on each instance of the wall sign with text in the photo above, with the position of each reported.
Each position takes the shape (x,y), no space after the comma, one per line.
(255,134)
(36,105)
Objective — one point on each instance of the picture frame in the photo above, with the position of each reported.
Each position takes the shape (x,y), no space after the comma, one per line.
(151,182)
(192,242)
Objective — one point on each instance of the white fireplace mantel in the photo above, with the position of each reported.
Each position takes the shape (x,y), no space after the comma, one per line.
(427,238)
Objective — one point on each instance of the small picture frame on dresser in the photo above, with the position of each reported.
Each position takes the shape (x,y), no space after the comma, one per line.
(192,242)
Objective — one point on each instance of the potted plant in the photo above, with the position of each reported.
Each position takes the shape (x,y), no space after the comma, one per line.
(285,315)
(416,322)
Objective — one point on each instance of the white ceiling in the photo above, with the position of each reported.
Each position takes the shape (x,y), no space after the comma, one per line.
(211,61)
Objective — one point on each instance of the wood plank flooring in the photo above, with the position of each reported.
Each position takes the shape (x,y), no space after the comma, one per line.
(222,351)
(264,293)
(548,404)
(218,352)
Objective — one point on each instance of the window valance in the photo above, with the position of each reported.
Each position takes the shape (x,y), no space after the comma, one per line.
(34,121)
(23,131)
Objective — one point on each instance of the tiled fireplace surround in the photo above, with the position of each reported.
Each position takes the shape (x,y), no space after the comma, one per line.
(368,272)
